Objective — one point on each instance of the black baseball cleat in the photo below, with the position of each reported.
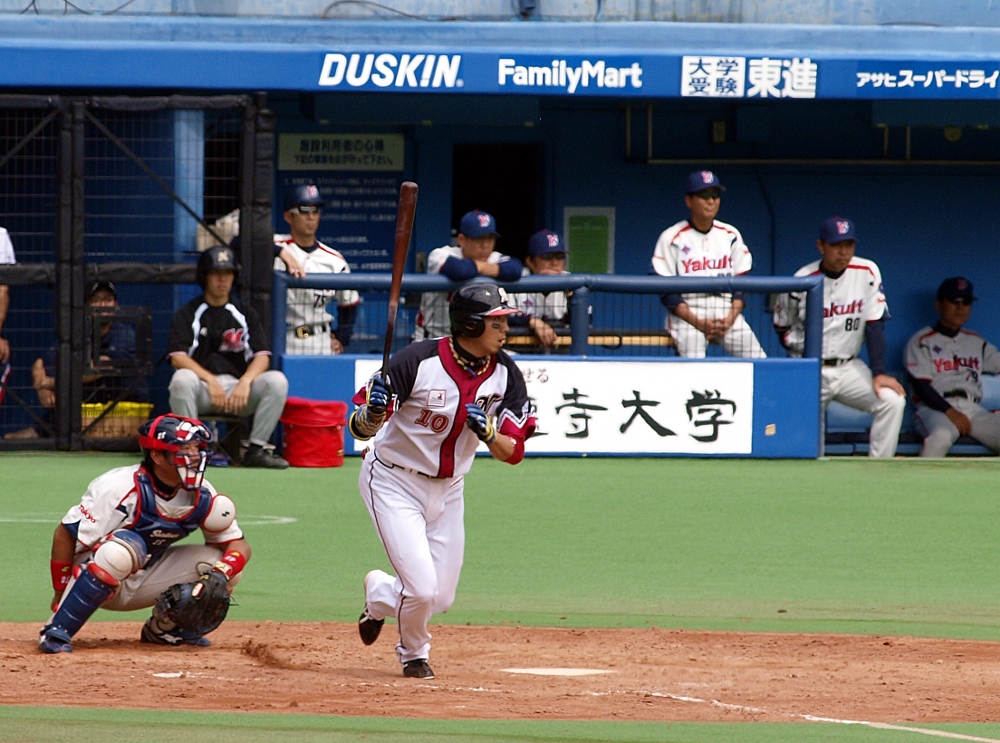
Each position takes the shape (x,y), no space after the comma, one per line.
(418,669)
(369,627)
(258,456)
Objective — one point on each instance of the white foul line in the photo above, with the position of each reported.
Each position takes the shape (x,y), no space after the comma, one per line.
(814,718)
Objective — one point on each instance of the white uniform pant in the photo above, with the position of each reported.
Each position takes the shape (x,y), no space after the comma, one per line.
(941,432)
(421,523)
(317,344)
(851,384)
(739,340)
(189,397)
(181,563)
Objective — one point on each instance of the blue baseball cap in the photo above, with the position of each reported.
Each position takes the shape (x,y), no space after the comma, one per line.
(303,196)
(701,180)
(477,223)
(836,230)
(957,287)
(545,241)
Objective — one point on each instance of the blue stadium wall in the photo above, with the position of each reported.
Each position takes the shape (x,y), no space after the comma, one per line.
(921,223)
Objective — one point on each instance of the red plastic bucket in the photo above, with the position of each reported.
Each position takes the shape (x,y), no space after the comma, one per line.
(314,432)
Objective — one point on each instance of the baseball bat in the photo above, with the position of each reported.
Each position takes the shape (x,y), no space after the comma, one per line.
(404,227)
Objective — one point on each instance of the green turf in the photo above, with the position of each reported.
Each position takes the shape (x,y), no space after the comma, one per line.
(900,547)
(56,725)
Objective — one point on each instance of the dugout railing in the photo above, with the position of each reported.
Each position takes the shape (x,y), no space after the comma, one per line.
(586,328)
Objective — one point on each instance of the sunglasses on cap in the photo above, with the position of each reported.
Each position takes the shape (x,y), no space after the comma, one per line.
(304,209)
(553,256)
(959,300)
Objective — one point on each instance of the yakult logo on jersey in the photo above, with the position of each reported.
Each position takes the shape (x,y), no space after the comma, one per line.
(558,74)
(836,310)
(691,265)
(390,70)
(955,363)
(233,339)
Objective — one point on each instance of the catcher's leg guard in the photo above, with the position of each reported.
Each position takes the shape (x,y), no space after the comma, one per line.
(91,589)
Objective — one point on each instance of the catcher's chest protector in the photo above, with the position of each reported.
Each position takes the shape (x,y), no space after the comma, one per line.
(158,531)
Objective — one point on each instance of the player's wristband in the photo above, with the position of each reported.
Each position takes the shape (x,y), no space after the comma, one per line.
(61,573)
(231,564)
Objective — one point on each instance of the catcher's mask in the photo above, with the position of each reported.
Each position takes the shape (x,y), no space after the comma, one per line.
(469,307)
(169,433)
(219,258)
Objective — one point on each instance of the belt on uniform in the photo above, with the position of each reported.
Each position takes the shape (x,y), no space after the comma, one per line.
(956,393)
(308,331)
(836,362)
(412,471)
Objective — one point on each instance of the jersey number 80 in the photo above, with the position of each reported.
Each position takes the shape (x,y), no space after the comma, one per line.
(852,323)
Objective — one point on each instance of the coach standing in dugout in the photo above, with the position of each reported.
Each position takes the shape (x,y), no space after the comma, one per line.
(854,312)
(308,323)
(945,365)
(221,354)
(475,255)
(703,247)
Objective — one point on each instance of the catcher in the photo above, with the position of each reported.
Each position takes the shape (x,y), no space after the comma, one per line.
(116,549)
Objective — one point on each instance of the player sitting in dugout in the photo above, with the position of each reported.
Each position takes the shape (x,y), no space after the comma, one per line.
(945,365)
(310,328)
(116,549)
(543,312)
(475,255)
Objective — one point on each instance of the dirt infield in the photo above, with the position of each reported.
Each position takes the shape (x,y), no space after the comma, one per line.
(656,675)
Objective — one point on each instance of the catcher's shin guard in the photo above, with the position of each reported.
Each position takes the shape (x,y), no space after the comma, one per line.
(92,588)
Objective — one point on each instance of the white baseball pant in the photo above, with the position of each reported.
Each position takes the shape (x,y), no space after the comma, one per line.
(739,340)
(851,384)
(421,523)
(181,563)
(941,433)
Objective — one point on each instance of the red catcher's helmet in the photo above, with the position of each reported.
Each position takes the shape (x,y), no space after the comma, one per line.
(169,433)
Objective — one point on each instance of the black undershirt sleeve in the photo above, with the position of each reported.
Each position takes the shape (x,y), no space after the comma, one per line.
(875,340)
(927,394)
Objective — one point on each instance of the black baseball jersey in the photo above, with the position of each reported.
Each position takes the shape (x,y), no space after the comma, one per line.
(425,429)
(221,339)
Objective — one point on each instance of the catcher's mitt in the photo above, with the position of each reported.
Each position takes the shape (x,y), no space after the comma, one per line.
(197,607)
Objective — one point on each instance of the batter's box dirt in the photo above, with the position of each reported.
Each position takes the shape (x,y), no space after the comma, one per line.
(654,675)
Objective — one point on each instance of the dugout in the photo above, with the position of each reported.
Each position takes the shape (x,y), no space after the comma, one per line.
(893,126)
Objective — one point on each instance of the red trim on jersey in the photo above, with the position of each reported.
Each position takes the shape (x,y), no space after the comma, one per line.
(860,268)
(468,386)
(926,335)
(969,332)
(518,454)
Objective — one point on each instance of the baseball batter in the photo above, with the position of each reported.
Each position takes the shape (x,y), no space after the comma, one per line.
(945,365)
(309,325)
(444,397)
(854,312)
(475,255)
(701,246)
(116,549)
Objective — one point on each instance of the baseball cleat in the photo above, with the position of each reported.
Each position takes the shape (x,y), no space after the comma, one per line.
(55,641)
(418,669)
(174,640)
(369,627)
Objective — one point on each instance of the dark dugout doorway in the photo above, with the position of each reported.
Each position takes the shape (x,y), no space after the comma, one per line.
(504,180)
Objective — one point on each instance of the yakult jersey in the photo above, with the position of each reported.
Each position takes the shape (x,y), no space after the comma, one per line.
(682,250)
(548,306)
(848,303)
(221,339)
(425,429)
(433,320)
(308,306)
(951,364)
(115,500)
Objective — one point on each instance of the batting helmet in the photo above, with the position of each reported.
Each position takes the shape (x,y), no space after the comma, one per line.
(303,196)
(470,305)
(168,433)
(219,258)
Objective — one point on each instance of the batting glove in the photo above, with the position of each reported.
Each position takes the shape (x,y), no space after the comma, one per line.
(379,395)
(480,424)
